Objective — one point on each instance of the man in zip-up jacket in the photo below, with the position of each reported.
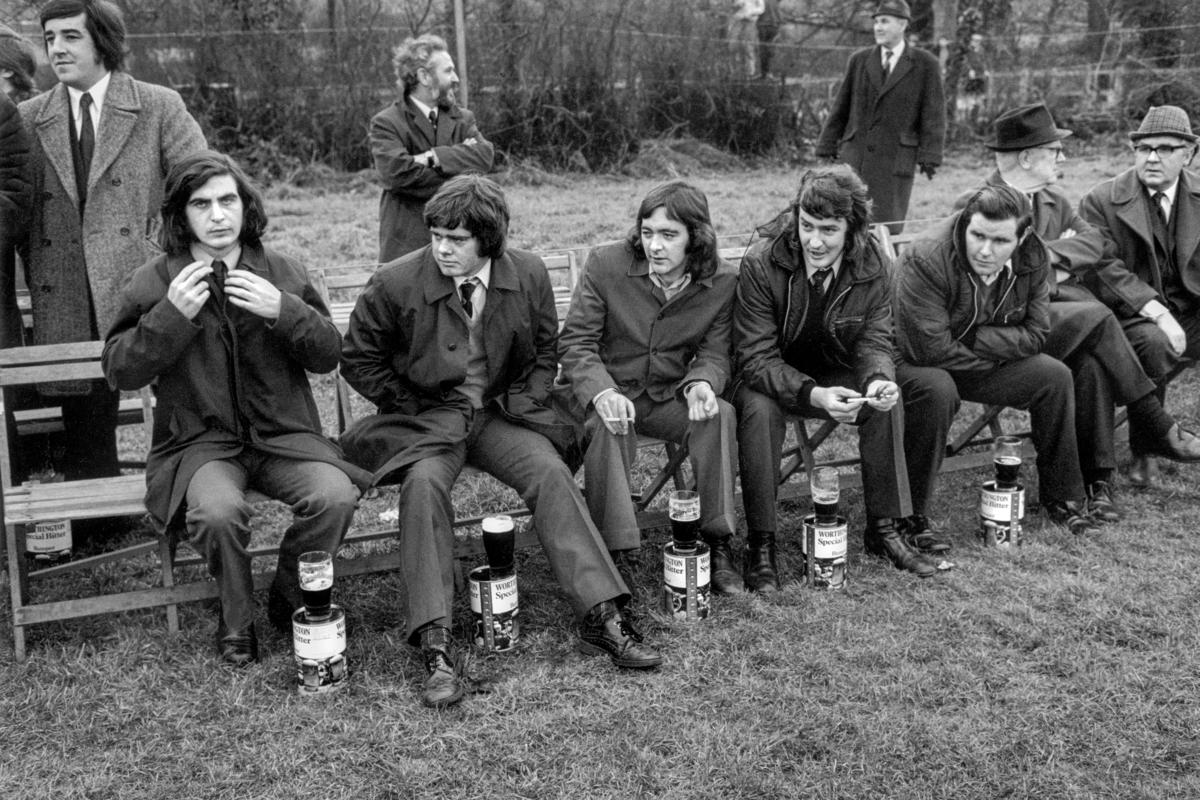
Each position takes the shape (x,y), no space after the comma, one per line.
(813,337)
(974,300)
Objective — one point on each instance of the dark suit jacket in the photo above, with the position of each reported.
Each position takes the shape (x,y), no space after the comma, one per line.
(622,333)
(1120,208)
(400,132)
(406,351)
(884,129)
(14,212)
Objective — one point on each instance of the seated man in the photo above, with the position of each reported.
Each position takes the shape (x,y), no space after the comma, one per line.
(813,336)
(455,344)
(226,330)
(1084,334)
(973,299)
(1151,216)
(646,350)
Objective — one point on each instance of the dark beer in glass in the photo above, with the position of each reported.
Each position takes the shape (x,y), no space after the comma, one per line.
(684,512)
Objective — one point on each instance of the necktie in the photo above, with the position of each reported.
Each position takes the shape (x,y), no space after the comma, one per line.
(433,118)
(1160,207)
(817,282)
(887,63)
(467,289)
(87,132)
(218,275)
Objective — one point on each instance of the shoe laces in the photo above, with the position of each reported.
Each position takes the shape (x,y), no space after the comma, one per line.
(625,624)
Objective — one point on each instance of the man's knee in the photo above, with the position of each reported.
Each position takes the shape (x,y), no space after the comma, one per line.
(220,516)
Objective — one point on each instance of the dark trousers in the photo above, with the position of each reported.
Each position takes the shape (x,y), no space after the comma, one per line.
(322,500)
(89,436)
(528,462)
(1159,360)
(1042,385)
(1107,373)
(899,466)
(712,450)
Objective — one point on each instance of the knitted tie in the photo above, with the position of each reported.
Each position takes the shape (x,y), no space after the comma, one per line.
(466,290)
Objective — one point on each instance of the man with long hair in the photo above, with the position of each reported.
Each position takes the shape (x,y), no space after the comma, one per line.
(813,337)
(455,345)
(101,145)
(420,141)
(645,350)
(226,330)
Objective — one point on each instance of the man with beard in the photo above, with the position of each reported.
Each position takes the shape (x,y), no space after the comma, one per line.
(420,141)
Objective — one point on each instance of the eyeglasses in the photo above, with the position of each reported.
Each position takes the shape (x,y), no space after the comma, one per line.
(1162,151)
(1058,151)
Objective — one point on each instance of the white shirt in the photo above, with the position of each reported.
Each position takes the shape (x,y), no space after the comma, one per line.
(98,92)
(479,296)
(671,289)
(896,52)
(424,109)
(1170,192)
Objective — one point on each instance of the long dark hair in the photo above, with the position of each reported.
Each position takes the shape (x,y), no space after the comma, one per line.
(190,174)
(104,22)
(688,206)
(475,203)
(836,192)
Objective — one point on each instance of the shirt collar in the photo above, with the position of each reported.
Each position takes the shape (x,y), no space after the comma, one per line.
(98,92)
(484,277)
(230,259)
(1171,191)
(897,51)
(424,109)
(810,271)
(1005,271)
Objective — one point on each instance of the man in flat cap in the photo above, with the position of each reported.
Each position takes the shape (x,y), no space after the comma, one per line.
(889,115)
(1151,215)
(1084,333)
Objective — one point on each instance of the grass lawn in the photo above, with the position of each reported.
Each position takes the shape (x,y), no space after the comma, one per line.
(1068,669)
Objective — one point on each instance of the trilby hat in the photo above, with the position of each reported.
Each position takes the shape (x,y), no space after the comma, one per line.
(1164,121)
(1027,126)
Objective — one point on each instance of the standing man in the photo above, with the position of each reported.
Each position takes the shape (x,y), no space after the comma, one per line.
(1084,334)
(645,350)
(813,337)
(1151,214)
(743,34)
(227,330)
(768,26)
(889,116)
(14,211)
(420,141)
(101,145)
(455,345)
(973,300)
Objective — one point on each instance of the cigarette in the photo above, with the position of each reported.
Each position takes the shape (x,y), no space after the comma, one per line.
(613,419)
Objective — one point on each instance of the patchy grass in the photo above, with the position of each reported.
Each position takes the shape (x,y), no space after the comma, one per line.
(1069,669)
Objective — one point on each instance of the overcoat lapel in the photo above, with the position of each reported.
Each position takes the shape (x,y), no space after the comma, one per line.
(53,130)
(117,120)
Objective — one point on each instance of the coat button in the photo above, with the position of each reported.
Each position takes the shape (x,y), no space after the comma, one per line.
(453,346)
(124,231)
(45,242)
(116,181)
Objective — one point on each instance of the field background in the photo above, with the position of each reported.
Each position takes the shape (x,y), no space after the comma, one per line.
(1067,670)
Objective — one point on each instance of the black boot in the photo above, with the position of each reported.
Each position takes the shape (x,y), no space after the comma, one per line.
(884,540)
(443,685)
(606,630)
(725,577)
(761,573)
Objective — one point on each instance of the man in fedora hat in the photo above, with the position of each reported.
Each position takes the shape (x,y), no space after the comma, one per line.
(1151,214)
(889,115)
(1084,333)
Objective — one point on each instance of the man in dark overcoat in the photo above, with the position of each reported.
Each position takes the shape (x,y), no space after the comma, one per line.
(1084,334)
(1151,215)
(887,120)
(420,141)
(645,350)
(456,346)
(226,330)
(101,145)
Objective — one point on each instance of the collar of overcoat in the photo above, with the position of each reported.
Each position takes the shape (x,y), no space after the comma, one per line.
(1128,197)
(902,68)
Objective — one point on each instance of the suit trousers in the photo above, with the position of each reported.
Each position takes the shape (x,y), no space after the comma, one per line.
(1160,362)
(1042,385)
(889,450)
(528,462)
(712,450)
(322,501)
(1088,338)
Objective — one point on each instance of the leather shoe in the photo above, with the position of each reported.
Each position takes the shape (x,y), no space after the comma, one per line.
(884,540)
(605,630)
(1178,445)
(921,535)
(240,649)
(1143,472)
(1073,516)
(1101,505)
(279,610)
(725,578)
(762,574)
(443,686)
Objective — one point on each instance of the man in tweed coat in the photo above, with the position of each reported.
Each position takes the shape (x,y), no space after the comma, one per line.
(419,142)
(97,191)
(888,119)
